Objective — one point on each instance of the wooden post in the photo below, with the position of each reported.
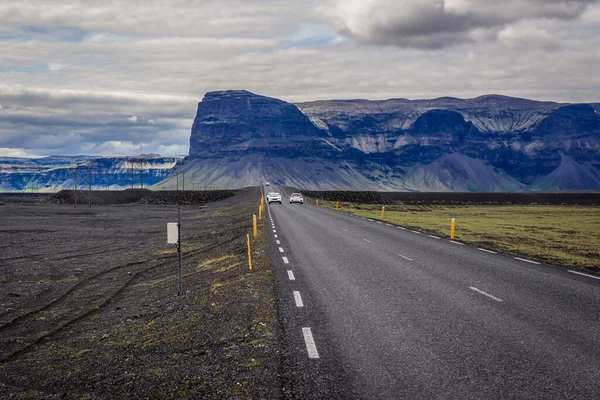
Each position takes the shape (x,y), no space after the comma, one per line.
(249,254)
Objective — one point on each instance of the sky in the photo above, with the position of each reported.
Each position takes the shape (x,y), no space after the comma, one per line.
(116,77)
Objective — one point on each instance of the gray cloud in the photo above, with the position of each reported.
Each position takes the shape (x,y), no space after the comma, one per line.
(435,24)
(68,122)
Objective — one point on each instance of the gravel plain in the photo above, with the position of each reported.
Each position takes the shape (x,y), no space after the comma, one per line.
(89,306)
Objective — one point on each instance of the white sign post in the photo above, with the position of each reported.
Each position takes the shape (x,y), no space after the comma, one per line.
(174,237)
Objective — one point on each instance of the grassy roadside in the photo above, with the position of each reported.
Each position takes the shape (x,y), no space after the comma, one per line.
(561,235)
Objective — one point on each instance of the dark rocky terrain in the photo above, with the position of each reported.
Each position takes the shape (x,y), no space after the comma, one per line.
(489,143)
(89,306)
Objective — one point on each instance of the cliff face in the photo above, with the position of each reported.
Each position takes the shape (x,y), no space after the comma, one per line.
(490,143)
(235,122)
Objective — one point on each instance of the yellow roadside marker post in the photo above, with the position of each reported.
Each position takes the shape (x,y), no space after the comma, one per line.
(249,254)
(452,226)
(260,212)
(255,231)
(337,205)
(317,202)
(382,213)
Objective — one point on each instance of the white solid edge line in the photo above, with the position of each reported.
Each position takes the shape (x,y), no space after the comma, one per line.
(582,274)
(311,347)
(291,275)
(486,294)
(432,236)
(367,240)
(281,249)
(298,299)
(418,233)
(406,258)
(526,260)
(285,260)
(459,243)
(486,250)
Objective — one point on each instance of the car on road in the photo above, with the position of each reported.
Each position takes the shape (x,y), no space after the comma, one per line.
(267,184)
(273,198)
(296,198)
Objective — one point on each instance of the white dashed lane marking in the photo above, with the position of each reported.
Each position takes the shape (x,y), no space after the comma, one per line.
(278,242)
(298,299)
(433,236)
(527,261)
(281,249)
(274,231)
(418,233)
(389,225)
(379,222)
(367,240)
(311,347)
(485,294)
(285,260)
(345,230)
(486,250)
(406,258)
(291,275)
(582,274)
(458,243)
(275,236)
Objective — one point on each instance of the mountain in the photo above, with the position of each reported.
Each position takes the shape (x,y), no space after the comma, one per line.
(238,138)
(50,174)
(489,143)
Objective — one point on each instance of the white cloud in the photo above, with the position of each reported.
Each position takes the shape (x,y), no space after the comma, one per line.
(133,119)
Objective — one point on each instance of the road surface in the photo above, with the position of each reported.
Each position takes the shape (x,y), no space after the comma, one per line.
(374,311)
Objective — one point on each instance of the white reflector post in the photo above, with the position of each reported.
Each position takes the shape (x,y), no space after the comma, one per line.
(172,234)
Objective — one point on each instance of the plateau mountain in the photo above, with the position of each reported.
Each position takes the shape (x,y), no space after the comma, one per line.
(489,143)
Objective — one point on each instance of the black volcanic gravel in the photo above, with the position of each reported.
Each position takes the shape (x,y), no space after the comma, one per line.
(89,309)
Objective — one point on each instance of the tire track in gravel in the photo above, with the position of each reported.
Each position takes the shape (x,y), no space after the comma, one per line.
(11,329)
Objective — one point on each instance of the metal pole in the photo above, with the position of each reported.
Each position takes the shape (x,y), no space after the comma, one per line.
(90,186)
(76,185)
(179,268)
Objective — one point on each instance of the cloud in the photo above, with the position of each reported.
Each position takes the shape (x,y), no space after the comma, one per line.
(435,24)
(60,122)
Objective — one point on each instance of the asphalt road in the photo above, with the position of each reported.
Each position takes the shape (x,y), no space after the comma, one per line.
(374,311)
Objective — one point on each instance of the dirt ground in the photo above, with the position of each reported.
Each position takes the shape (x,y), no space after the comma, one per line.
(89,306)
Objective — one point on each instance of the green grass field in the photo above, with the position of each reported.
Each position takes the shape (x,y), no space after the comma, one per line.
(561,235)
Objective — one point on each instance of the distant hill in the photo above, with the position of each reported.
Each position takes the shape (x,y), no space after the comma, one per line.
(51,174)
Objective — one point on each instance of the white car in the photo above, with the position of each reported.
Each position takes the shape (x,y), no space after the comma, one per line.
(273,198)
(296,198)
(267,184)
